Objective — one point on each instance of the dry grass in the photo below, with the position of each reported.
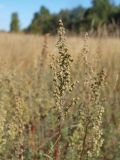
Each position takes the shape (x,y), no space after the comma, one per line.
(20,49)
(26,89)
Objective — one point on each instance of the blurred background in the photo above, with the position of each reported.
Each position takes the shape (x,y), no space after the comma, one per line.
(40,17)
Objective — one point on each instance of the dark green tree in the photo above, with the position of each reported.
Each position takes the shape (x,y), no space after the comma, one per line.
(76,19)
(14,26)
(35,25)
(41,22)
(98,14)
(65,16)
(44,20)
(101,13)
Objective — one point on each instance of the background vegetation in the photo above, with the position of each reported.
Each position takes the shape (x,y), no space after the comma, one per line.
(102,15)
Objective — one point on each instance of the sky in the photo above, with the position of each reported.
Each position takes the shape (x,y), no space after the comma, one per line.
(26,9)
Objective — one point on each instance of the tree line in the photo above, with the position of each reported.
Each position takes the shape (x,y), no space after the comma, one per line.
(101,14)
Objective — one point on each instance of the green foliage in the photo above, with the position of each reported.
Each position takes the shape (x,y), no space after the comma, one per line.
(14,26)
(102,12)
(41,21)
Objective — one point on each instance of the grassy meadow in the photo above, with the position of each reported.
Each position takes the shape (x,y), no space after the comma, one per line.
(58,102)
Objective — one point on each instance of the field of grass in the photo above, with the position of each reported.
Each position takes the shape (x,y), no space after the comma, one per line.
(21,49)
(53,108)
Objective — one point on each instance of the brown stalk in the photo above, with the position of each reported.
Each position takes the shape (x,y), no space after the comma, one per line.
(84,141)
